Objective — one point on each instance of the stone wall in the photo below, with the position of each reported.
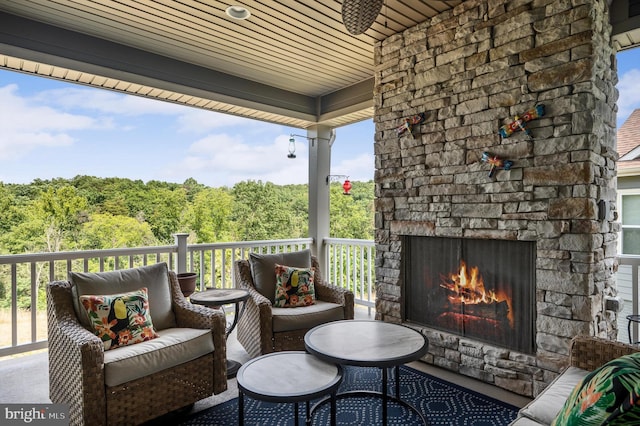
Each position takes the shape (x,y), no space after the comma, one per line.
(471,70)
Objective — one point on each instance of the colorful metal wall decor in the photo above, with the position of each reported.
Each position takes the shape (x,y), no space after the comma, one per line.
(409,122)
(496,163)
(519,122)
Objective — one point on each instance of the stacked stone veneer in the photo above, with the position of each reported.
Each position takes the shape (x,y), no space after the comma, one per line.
(470,70)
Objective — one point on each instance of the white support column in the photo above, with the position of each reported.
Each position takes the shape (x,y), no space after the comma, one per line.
(320,140)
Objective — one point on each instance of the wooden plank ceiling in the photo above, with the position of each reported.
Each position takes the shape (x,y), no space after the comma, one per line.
(625,18)
(292,62)
(299,49)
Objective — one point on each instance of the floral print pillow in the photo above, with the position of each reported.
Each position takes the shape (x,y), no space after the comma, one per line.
(294,287)
(609,395)
(120,319)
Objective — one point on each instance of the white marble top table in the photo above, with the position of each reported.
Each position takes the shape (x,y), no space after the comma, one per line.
(291,376)
(369,344)
(366,343)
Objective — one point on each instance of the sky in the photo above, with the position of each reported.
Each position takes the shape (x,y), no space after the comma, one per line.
(52,129)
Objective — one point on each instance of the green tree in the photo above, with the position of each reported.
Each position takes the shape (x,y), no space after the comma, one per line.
(28,235)
(210,214)
(192,187)
(164,211)
(62,211)
(48,222)
(352,215)
(348,218)
(109,231)
(297,198)
(11,214)
(262,212)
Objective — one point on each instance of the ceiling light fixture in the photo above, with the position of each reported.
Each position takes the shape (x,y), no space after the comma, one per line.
(238,12)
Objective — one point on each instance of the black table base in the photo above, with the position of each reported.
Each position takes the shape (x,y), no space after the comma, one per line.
(383,395)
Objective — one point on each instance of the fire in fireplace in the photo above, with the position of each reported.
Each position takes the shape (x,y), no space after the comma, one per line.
(479,289)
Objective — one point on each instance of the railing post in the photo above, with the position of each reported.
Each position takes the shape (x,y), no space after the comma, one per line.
(181,242)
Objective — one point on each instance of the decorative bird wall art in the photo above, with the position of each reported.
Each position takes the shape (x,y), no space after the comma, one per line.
(409,122)
(519,123)
(496,163)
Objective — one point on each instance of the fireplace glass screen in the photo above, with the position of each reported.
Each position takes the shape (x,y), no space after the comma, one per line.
(479,289)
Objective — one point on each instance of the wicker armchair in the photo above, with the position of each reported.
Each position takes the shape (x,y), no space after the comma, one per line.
(263,328)
(79,372)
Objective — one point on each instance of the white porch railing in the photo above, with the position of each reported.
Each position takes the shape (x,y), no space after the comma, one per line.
(628,289)
(23,277)
(213,261)
(351,265)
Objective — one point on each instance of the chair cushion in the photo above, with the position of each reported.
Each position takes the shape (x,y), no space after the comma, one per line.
(174,346)
(263,269)
(304,317)
(524,421)
(120,319)
(294,287)
(154,277)
(548,404)
(608,395)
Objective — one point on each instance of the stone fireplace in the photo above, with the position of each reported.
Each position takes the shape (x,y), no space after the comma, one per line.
(470,71)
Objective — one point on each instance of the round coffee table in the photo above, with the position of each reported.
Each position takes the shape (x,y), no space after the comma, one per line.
(269,378)
(369,344)
(217,298)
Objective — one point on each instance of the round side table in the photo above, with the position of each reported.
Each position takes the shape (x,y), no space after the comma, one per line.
(632,319)
(369,344)
(268,378)
(217,298)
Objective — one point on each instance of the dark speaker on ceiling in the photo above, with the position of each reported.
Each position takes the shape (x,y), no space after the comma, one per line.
(359,15)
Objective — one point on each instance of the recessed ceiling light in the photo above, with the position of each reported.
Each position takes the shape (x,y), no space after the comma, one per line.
(238,12)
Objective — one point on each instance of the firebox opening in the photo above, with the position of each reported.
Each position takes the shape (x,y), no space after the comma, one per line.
(478,289)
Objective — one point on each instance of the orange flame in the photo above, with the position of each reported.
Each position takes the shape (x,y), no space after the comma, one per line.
(467,287)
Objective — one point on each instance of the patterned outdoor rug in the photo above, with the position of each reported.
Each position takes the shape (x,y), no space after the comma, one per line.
(442,403)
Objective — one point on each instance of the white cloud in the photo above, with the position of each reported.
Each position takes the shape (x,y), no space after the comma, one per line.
(222,159)
(194,120)
(20,144)
(359,168)
(189,119)
(106,102)
(629,90)
(229,149)
(27,125)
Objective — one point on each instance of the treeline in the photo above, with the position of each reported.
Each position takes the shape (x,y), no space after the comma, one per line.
(86,213)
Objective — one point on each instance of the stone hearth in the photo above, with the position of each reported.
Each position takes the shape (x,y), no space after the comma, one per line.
(470,71)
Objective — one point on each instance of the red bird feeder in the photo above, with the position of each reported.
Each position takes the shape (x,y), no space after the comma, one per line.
(347,187)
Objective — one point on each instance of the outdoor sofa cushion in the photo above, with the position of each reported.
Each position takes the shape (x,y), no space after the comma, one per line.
(544,409)
(286,319)
(525,421)
(174,346)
